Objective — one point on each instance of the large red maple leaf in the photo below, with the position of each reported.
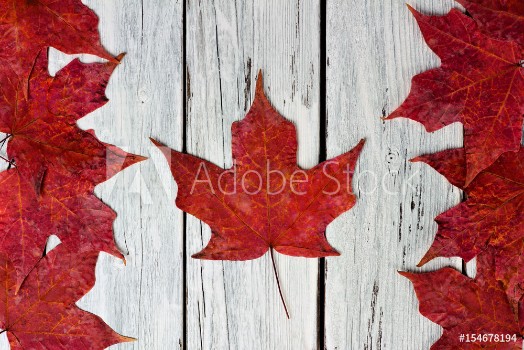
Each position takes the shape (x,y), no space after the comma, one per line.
(265,202)
(42,314)
(249,215)
(501,19)
(491,217)
(475,313)
(28,26)
(480,83)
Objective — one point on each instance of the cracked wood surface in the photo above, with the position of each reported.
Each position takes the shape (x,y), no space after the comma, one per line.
(373,50)
(235,305)
(142,299)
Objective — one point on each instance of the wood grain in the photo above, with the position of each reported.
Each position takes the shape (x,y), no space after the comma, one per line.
(144,298)
(373,50)
(235,305)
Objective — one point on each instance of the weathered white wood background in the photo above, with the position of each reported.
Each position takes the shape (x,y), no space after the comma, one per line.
(358,301)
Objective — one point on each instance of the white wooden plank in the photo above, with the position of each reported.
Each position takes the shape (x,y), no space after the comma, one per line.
(373,50)
(471,268)
(144,298)
(235,305)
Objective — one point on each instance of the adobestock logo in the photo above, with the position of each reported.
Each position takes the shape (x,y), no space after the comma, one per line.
(274,182)
(337,178)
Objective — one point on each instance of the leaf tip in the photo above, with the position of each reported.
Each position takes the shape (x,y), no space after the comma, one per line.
(155,142)
(413,11)
(124,339)
(408,275)
(260,84)
(120,57)
(417,159)
(166,151)
(137,158)
(360,145)
(425,259)
(433,252)
(392,115)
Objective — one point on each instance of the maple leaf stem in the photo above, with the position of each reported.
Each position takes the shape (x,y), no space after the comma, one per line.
(278,282)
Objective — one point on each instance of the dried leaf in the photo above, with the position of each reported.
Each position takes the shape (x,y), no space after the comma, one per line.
(480,83)
(57,164)
(491,217)
(467,308)
(265,202)
(28,26)
(42,126)
(43,314)
(248,214)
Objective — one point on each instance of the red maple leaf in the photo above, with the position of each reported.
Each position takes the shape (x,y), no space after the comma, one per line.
(57,163)
(29,26)
(265,202)
(468,308)
(43,314)
(501,19)
(480,83)
(491,217)
(42,128)
(66,207)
